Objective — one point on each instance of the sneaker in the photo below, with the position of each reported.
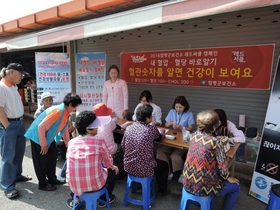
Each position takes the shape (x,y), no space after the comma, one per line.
(57,182)
(79,203)
(48,187)
(170,176)
(180,180)
(11,193)
(112,199)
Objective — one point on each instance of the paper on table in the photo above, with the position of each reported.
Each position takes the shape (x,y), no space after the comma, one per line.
(127,123)
(170,137)
(166,130)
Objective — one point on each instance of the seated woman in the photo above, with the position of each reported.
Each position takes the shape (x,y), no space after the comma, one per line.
(106,132)
(89,162)
(206,169)
(232,132)
(138,145)
(146,98)
(178,118)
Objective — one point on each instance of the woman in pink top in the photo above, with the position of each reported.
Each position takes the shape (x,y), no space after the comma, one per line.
(233,133)
(115,93)
(106,131)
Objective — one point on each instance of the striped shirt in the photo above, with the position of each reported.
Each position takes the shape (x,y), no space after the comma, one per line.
(85,156)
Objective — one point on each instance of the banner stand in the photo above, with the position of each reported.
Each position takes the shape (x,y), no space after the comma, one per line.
(267,168)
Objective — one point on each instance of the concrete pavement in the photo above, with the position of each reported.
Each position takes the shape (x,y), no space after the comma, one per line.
(32,198)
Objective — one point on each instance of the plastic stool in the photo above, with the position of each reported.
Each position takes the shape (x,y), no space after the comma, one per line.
(274,198)
(188,198)
(148,191)
(91,199)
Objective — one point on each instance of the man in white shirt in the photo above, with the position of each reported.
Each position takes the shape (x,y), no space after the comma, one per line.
(12,129)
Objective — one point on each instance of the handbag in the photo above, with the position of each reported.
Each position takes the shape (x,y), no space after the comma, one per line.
(224,140)
(222,134)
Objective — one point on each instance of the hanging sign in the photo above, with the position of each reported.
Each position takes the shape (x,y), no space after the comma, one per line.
(225,67)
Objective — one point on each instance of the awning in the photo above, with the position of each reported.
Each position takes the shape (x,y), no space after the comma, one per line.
(141,17)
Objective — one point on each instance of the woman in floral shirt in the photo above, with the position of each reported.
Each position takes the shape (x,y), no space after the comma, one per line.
(206,169)
(138,145)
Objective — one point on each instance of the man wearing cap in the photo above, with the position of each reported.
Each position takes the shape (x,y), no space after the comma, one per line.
(12,129)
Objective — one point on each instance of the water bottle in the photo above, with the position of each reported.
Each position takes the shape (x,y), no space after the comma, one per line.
(186,135)
(174,129)
(115,119)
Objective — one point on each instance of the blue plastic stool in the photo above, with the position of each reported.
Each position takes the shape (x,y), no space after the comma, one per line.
(188,198)
(274,198)
(148,191)
(91,199)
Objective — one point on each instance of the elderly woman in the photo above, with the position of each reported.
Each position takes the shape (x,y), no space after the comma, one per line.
(138,145)
(206,169)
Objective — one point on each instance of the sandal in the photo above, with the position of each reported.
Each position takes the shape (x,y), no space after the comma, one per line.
(11,193)
(49,187)
(79,203)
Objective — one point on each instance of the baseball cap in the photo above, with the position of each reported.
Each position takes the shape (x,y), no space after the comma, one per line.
(46,95)
(101,109)
(17,67)
(101,120)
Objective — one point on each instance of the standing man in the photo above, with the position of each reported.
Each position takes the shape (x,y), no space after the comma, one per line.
(12,129)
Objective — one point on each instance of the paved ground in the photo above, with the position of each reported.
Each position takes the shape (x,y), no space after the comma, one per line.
(33,199)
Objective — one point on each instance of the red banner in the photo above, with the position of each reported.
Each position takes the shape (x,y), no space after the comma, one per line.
(227,67)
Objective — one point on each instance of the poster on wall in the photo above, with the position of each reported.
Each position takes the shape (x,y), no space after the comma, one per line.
(52,75)
(225,67)
(90,78)
(267,168)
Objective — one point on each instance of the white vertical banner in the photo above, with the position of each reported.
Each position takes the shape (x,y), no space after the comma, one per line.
(267,168)
(52,75)
(90,78)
